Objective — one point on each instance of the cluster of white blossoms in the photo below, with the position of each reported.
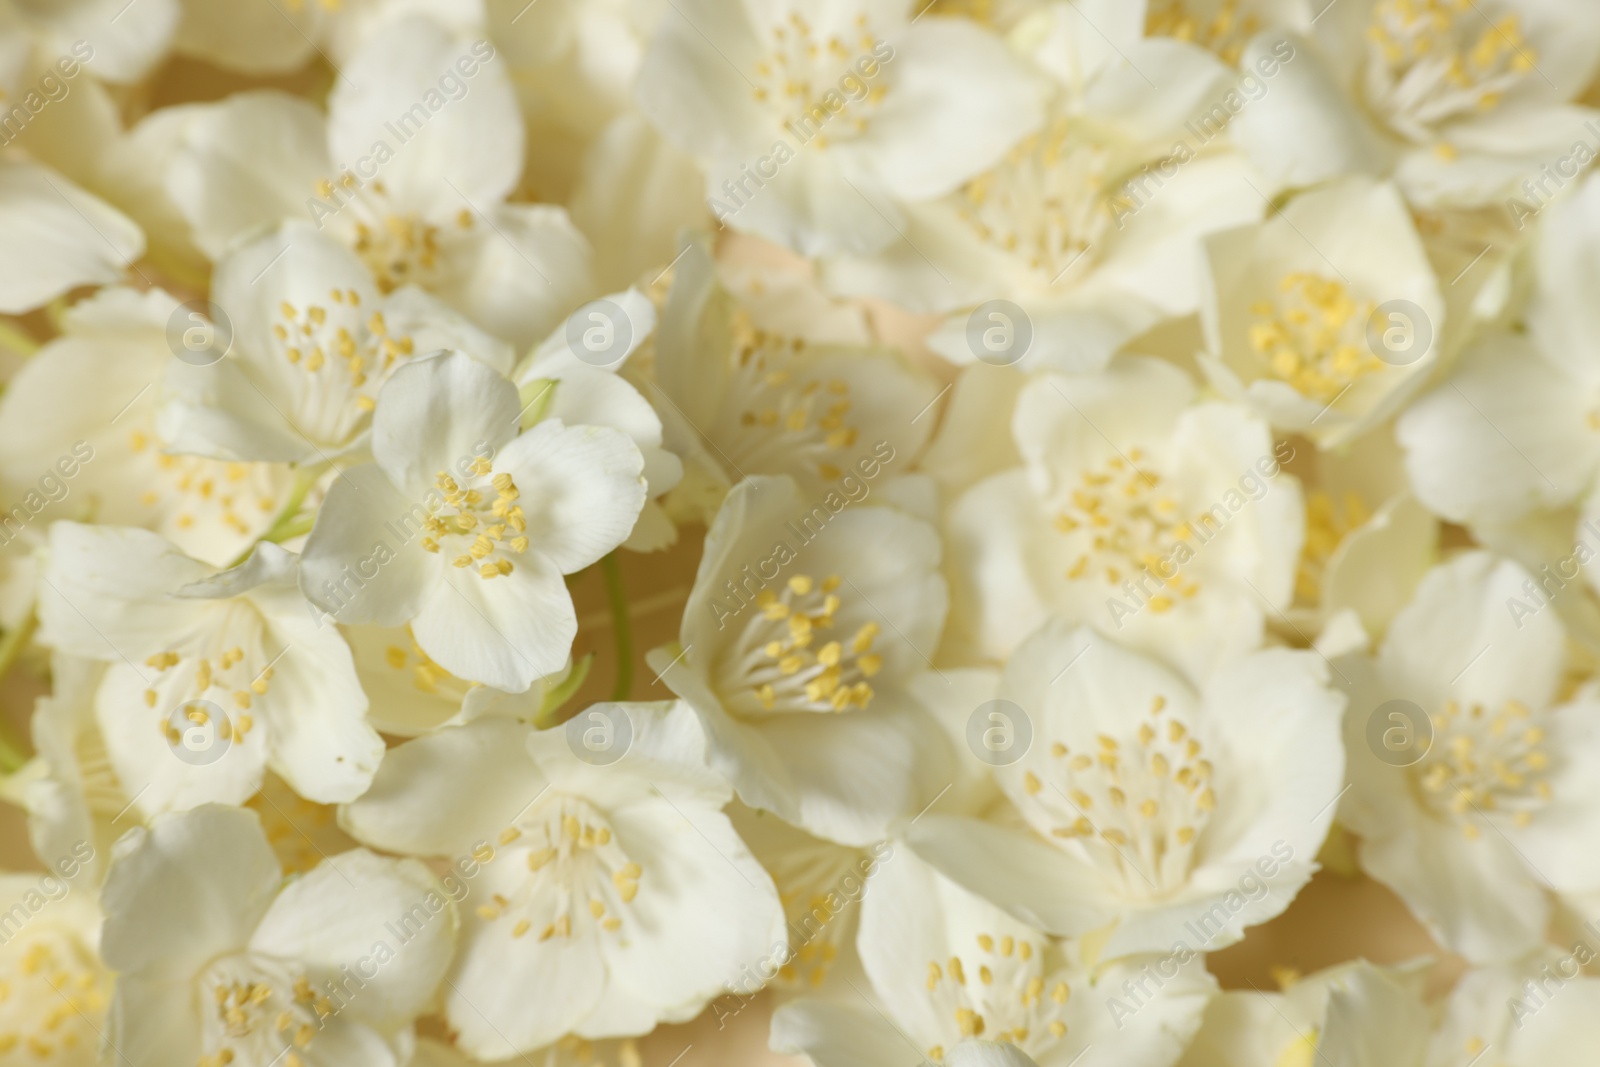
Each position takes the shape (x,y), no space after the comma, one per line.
(860,533)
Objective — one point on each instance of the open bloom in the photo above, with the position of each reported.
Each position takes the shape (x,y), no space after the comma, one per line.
(463,527)
(1472,768)
(1460,102)
(220,961)
(1326,317)
(1089,225)
(1180,816)
(806,624)
(619,891)
(742,396)
(814,124)
(1164,523)
(101,449)
(948,967)
(410,170)
(312,343)
(213,676)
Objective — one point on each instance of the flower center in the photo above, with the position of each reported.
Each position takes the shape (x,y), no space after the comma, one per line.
(52,997)
(426,675)
(998,991)
(800,76)
(341,360)
(258,1010)
(476,529)
(230,667)
(809,877)
(1045,203)
(1483,764)
(1120,521)
(787,660)
(1327,525)
(1314,336)
(1132,807)
(194,490)
(398,247)
(1436,60)
(1221,29)
(785,414)
(579,880)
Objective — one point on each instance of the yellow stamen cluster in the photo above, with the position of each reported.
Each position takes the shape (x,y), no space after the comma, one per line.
(579,879)
(799,71)
(479,526)
(1485,764)
(787,414)
(999,992)
(1434,60)
(1328,522)
(795,665)
(54,1000)
(1136,806)
(224,679)
(314,342)
(426,675)
(256,1018)
(1314,337)
(1046,202)
(189,488)
(1225,32)
(1121,521)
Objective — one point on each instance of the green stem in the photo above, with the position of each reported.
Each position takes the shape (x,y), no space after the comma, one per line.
(12,753)
(15,640)
(289,522)
(617,597)
(17,339)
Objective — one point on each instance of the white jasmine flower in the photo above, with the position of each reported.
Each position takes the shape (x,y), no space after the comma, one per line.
(1459,103)
(54,236)
(814,124)
(1091,225)
(620,891)
(56,987)
(220,961)
(575,375)
(743,398)
(1164,523)
(1182,815)
(312,344)
(1471,831)
(949,967)
(1326,316)
(234,657)
(103,446)
(410,169)
(806,624)
(463,528)
(1352,1013)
